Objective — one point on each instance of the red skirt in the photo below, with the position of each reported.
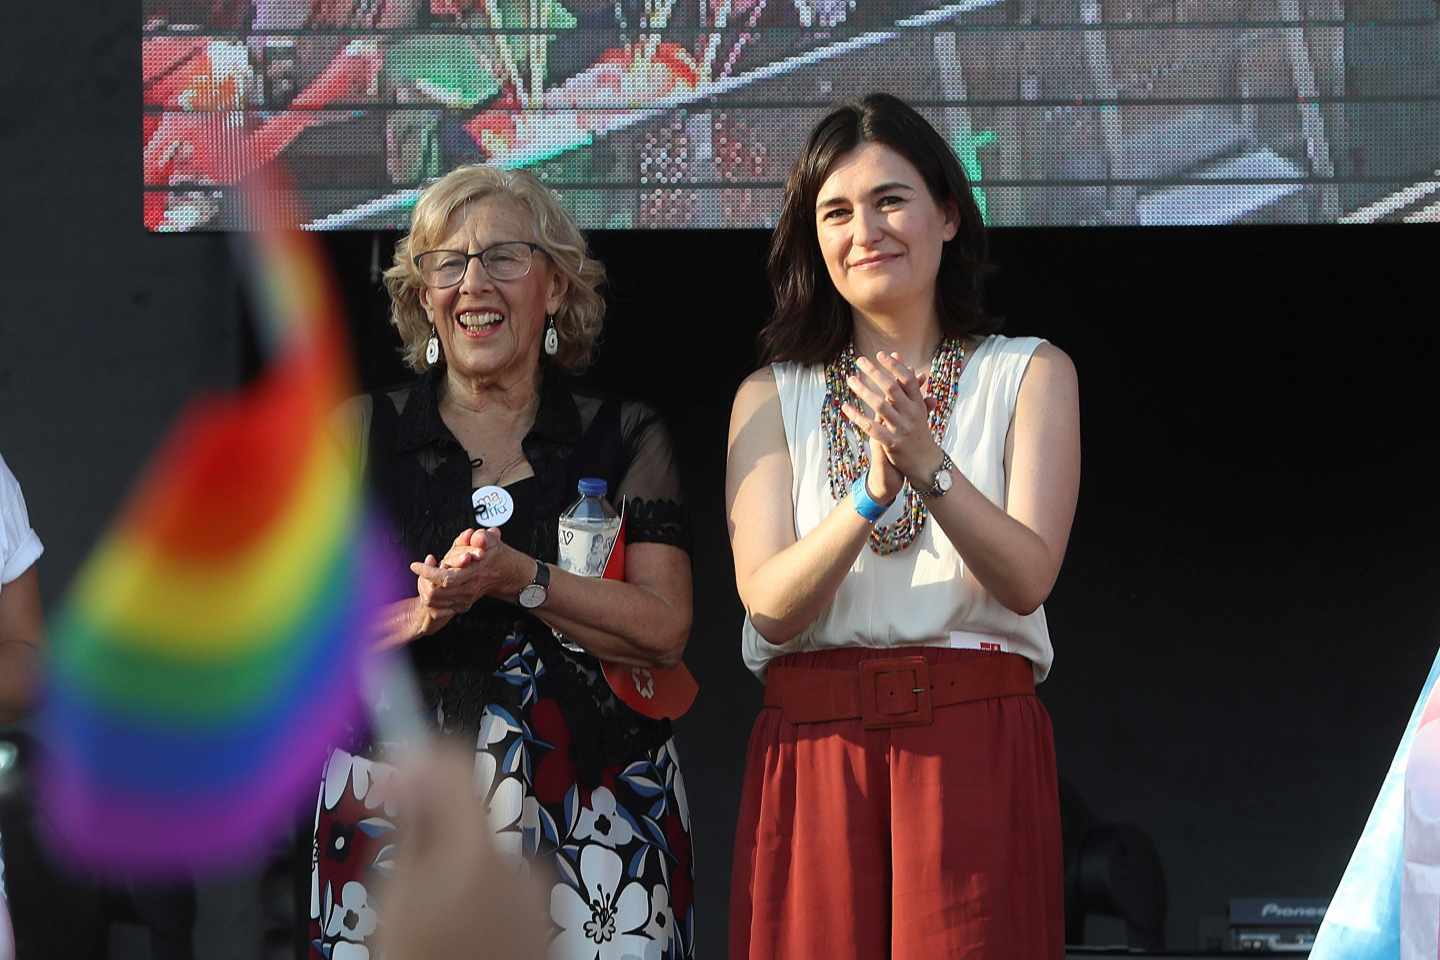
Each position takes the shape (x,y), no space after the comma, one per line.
(938,839)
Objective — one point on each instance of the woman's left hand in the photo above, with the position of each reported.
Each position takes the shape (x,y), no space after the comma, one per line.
(900,420)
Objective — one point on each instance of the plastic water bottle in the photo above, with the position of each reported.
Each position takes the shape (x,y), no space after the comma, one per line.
(588,530)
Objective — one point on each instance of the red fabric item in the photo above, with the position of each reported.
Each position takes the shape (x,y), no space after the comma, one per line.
(654,692)
(914,841)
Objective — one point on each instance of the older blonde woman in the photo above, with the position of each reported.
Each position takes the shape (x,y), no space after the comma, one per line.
(494,295)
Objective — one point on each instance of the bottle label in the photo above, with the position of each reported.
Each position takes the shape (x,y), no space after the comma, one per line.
(584,551)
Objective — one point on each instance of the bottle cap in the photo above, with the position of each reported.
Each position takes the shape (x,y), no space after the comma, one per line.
(593,487)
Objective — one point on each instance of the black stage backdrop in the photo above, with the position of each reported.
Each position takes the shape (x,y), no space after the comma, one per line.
(1249,604)
(1252,594)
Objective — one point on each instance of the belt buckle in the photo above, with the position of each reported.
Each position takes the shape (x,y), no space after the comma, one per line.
(894,692)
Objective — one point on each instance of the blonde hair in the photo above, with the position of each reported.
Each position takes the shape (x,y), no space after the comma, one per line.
(578,320)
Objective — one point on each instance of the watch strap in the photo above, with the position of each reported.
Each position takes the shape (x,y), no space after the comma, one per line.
(539,584)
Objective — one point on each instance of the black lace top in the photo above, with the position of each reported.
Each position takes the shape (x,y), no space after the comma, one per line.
(421,475)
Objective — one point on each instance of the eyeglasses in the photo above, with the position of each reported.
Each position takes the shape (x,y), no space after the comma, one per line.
(509,260)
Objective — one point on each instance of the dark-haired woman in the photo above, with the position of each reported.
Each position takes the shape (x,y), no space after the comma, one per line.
(900,490)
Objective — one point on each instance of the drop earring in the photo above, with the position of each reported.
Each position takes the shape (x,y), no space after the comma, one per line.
(552,338)
(432,348)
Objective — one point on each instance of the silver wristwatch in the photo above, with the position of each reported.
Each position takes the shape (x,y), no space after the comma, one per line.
(942,479)
(534,593)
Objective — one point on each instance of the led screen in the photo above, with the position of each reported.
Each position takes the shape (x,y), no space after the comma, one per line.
(688,113)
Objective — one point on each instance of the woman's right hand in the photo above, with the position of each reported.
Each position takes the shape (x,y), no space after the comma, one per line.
(447,587)
(440,594)
(883,480)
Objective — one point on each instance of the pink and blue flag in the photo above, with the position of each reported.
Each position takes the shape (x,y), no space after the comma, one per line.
(1387,906)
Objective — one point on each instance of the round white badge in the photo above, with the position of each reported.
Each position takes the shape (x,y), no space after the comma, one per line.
(493,506)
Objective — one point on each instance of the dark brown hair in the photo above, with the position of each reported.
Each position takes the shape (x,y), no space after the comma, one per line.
(812,322)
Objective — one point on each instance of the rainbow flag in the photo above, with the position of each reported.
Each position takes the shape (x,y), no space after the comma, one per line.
(210,649)
(1385,907)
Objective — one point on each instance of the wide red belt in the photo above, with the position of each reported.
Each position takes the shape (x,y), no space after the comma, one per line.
(894,691)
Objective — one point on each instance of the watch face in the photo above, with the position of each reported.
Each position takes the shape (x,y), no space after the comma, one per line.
(943,481)
(532,596)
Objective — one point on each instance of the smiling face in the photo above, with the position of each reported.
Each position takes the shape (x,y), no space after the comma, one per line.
(491,329)
(880,231)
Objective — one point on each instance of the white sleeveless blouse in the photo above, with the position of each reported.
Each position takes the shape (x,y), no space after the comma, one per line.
(917,596)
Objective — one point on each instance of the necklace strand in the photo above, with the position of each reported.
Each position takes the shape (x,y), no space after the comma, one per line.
(477,462)
(848,452)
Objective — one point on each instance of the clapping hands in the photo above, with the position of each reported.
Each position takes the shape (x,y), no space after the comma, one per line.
(898,426)
(474,566)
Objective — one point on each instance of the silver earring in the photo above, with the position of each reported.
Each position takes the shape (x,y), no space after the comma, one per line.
(432,349)
(552,339)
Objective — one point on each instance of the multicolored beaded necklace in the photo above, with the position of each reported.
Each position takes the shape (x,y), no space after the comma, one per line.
(846,460)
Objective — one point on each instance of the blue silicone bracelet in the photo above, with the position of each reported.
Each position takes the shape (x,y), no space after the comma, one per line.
(865,505)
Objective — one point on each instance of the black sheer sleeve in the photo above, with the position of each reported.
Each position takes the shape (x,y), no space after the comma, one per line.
(651,484)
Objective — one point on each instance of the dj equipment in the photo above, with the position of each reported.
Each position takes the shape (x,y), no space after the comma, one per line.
(1275,924)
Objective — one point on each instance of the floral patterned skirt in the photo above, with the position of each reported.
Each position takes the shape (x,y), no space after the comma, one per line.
(620,853)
